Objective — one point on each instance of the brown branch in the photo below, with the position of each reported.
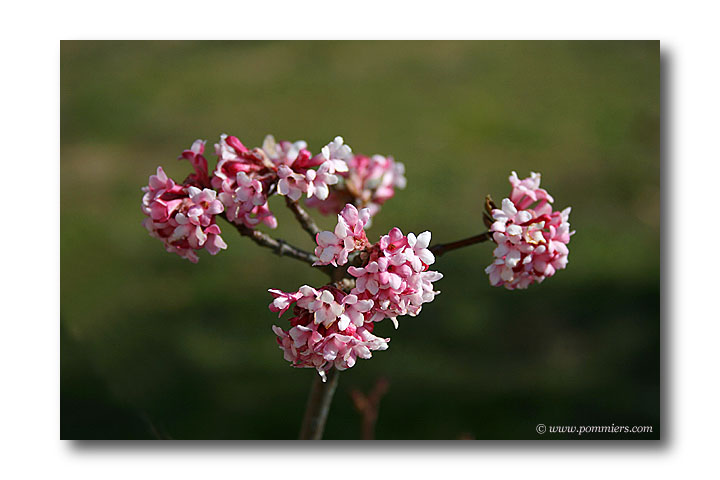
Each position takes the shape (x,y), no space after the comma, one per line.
(318,406)
(442,248)
(280,247)
(306,221)
(369,406)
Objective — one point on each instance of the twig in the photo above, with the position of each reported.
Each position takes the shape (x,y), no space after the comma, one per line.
(306,221)
(369,406)
(281,247)
(318,406)
(442,248)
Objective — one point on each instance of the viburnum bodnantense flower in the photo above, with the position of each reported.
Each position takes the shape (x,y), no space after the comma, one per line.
(246,177)
(393,273)
(531,237)
(333,328)
(328,328)
(349,236)
(295,167)
(243,180)
(396,275)
(182,216)
(368,183)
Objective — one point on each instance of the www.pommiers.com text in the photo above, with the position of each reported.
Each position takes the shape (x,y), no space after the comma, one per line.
(542,429)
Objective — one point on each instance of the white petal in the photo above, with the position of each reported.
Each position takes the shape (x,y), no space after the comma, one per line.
(514,230)
(523,216)
(512,258)
(508,207)
(423,240)
(325,238)
(343,322)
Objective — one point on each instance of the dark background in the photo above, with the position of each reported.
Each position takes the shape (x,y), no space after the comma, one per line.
(153,346)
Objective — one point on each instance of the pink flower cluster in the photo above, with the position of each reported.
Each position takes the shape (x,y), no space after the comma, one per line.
(531,238)
(368,183)
(395,272)
(348,237)
(295,164)
(243,179)
(329,328)
(182,216)
(396,275)
(246,178)
(332,328)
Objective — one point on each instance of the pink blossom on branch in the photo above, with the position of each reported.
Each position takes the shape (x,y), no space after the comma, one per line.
(333,328)
(369,182)
(182,216)
(531,237)
(314,346)
(295,167)
(329,328)
(349,236)
(284,152)
(396,276)
(246,203)
(195,156)
(318,181)
(336,154)
(291,183)
(243,181)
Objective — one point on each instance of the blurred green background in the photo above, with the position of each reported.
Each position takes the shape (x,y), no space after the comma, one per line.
(153,346)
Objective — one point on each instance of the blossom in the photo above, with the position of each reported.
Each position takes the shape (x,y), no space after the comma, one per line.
(230,148)
(295,167)
(293,154)
(396,276)
(325,308)
(245,203)
(314,346)
(354,311)
(318,181)
(205,207)
(242,180)
(329,328)
(182,216)
(369,182)
(290,183)
(531,237)
(282,300)
(233,157)
(338,153)
(348,237)
(195,156)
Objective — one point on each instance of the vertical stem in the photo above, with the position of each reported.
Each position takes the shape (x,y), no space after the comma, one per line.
(318,406)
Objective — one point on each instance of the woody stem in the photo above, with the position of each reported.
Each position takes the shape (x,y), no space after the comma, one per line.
(281,247)
(318,406)
(304,218)
(442,248)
